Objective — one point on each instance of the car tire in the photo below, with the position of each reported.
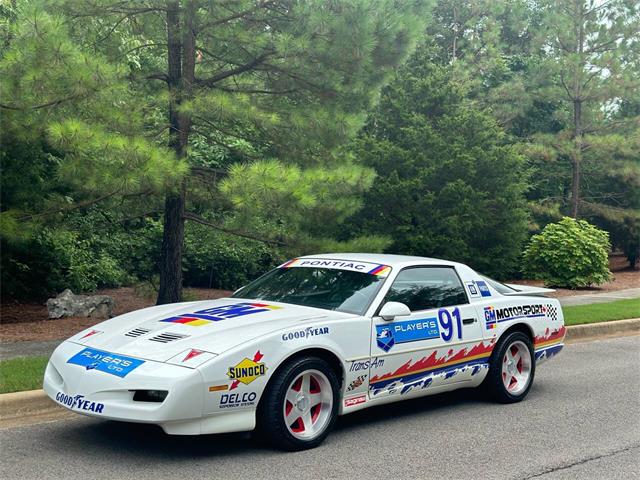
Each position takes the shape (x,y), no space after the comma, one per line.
(300,405)
(512,369)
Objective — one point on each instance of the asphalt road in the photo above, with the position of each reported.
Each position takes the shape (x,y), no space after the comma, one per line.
(581,420)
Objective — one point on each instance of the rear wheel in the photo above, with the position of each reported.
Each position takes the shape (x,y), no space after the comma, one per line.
(512,369)
(300,405)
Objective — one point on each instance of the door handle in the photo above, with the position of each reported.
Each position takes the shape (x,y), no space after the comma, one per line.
(468,321)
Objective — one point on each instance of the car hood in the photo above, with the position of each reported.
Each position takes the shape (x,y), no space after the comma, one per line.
(163,332)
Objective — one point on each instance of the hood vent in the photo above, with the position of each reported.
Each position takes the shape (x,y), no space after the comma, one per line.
(136,332)
(168,337)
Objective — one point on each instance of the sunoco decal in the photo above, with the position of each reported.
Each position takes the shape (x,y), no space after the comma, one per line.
(247,370)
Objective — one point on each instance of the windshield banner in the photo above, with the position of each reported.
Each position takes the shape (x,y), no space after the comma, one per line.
(353,266)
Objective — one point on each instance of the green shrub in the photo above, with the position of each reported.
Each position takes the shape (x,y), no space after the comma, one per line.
(570,253)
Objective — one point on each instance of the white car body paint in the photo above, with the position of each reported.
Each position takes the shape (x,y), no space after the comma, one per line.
(216,371)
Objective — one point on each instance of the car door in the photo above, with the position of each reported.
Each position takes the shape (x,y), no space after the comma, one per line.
(428,348)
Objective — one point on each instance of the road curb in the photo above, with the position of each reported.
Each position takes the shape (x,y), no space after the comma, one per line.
(20,404)
(589,330)
(36,402)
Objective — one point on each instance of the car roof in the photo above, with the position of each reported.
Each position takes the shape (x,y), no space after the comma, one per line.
(385,259)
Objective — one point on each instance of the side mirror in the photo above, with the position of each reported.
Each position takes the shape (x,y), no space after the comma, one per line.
(391,310)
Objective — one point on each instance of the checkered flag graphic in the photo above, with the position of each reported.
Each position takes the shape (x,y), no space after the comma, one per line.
(552,312)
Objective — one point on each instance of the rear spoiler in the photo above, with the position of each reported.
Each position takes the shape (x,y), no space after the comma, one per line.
(528,290)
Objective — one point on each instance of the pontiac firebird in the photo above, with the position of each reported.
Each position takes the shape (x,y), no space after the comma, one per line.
(317,337)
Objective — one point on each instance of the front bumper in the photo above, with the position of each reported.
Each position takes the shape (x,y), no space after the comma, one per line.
(96,393)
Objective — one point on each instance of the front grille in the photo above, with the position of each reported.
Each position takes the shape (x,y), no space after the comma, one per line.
(136,332)
(167,337)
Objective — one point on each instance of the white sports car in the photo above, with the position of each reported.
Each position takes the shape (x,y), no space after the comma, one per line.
(317,337)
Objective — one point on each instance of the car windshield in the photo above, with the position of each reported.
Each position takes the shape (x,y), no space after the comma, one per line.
(330,289)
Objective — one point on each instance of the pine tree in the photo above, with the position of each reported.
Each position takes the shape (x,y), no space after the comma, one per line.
(250,80)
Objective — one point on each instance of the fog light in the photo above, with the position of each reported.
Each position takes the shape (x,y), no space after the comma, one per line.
(156,396)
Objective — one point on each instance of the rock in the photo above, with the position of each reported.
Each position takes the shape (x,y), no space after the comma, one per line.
(67,304)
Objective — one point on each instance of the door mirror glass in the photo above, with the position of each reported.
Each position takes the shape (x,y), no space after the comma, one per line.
(391,310)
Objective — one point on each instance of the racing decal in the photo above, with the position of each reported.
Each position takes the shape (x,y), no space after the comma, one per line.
(366,364)
(484,289)
(78,402)
(233,400)
(106,362)
(549,344)
(350,402)
(247,370)
(222,312)
(192,353)
(473,290)
(490,318)
(433,364)
(356,383)
(493,315)
(91,333)
(362,267)
(218,388)
(552,312)
(407,331)
(306,333)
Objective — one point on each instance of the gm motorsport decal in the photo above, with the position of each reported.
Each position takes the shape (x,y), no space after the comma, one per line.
(223,312)
(118,365)
(247,370)
(493,316)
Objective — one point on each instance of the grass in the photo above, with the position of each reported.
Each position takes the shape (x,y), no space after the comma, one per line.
(25,373)
(602,312)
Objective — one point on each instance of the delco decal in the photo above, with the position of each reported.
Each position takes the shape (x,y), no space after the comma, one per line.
(106,362)
(362,267)
(223,312)
(78,402)
(350,402)
(306,333)
(247,370)
(233,400)
(407,331)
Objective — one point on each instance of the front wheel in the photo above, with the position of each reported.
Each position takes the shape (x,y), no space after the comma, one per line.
(511,369)
(300,404)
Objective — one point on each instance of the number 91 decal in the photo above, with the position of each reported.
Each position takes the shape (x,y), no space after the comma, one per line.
(445,319)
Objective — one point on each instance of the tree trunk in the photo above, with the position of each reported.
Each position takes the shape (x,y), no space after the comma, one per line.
(181,63)
(576,160)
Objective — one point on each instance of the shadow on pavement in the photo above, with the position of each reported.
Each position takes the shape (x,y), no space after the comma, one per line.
(149,441)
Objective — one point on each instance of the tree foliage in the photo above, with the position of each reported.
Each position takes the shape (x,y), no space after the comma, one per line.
(448,185)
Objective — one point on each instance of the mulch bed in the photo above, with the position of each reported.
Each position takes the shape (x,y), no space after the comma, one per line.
(29,321)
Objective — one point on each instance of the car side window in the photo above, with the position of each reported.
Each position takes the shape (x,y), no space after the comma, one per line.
(422,288)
